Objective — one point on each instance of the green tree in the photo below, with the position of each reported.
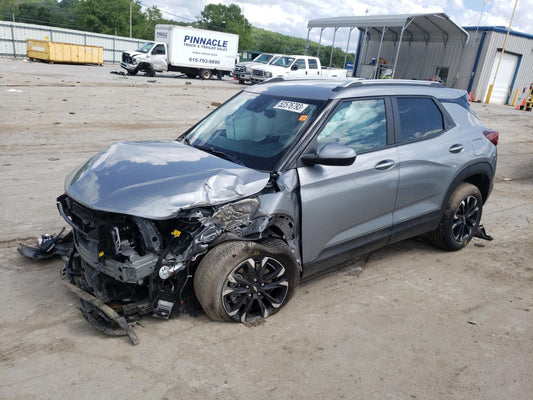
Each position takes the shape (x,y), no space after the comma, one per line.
(109,16)
(8,8)
(219,17)
(273,42)
(152,17)
(43,12)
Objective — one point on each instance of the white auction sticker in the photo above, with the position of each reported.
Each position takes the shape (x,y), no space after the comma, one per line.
(292,106)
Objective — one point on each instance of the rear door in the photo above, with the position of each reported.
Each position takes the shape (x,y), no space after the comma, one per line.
(314,71)
(431,150)
(343,206)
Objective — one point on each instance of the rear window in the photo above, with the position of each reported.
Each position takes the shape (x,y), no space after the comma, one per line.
(419,117)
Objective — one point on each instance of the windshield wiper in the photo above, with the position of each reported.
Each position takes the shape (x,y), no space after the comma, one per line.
(218,153)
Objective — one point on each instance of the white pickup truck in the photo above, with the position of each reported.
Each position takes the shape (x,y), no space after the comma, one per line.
(243,70)
(296,67)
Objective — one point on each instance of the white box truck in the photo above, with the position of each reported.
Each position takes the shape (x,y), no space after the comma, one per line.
(194,52)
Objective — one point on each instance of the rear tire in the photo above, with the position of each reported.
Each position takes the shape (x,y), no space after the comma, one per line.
(205,74)
(461,218)
(244,281)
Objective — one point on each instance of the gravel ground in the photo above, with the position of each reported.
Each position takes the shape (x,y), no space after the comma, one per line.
(406,322)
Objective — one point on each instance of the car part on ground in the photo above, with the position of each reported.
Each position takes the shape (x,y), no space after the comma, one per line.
(275,185)
(48,246)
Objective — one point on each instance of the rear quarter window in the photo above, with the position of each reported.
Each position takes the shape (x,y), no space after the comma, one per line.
(419,117)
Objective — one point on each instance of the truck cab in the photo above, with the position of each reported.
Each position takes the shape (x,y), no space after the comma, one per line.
(150,58)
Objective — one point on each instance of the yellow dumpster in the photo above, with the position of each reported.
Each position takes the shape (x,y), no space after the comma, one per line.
(64,52)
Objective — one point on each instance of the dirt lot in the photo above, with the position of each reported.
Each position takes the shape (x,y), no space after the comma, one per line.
(406,322)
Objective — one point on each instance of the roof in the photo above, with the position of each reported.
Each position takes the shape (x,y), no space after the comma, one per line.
(499,29)
(416,27)
(325,89)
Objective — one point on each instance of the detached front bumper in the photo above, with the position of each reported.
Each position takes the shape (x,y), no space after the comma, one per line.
(106,320)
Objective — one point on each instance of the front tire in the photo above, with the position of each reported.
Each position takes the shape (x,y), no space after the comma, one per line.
(461,218)
(244,281)
(150,71)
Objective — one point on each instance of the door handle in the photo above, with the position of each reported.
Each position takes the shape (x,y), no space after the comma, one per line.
(385,164)
(456,148)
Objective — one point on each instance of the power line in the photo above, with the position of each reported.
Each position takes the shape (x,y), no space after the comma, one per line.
(167,12)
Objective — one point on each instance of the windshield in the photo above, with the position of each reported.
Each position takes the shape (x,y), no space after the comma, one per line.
(263,58)
(254,129)
(284,62)
(146,47)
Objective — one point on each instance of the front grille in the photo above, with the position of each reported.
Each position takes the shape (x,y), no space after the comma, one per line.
(258,73)
(126,58)
(240,68)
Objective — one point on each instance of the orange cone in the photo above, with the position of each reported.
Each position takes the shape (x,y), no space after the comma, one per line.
(470,96)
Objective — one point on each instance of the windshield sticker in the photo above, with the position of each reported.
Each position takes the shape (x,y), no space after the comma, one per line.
(292,106)
(302,118)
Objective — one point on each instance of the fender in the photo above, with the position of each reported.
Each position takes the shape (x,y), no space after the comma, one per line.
(479,174)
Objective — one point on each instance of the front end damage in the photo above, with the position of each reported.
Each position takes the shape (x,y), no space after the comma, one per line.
(123,267)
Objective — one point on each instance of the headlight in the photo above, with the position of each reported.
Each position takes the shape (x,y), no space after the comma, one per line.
(268,74)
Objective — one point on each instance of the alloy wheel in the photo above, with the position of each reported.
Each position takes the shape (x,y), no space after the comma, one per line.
(255,288)
(465,219)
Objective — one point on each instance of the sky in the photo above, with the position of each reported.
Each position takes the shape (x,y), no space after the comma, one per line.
(291,17)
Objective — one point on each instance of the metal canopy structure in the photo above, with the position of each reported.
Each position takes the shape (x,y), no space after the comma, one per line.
(395,28)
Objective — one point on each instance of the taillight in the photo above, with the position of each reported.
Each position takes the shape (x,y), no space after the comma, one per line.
(492,135)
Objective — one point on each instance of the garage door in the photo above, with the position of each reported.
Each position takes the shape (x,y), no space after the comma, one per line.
(502,86)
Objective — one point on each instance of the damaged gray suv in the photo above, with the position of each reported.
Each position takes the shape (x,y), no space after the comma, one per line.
(280,182)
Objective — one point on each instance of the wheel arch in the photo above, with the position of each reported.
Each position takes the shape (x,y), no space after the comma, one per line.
(480,175)
(276,226)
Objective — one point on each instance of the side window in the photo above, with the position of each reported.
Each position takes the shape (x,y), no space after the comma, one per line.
(419,117)
(360,124)
(301,63)
(312,63)
(159,49)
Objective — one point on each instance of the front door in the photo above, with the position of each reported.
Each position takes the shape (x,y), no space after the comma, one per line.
(347,206)
(159,57)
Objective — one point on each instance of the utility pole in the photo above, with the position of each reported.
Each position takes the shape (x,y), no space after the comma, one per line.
(489,93)
(131,12)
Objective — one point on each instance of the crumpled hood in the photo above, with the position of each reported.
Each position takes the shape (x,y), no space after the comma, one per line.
(156,179)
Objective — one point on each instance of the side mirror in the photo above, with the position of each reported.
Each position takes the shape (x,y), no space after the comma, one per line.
(331,154)
(294,67)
